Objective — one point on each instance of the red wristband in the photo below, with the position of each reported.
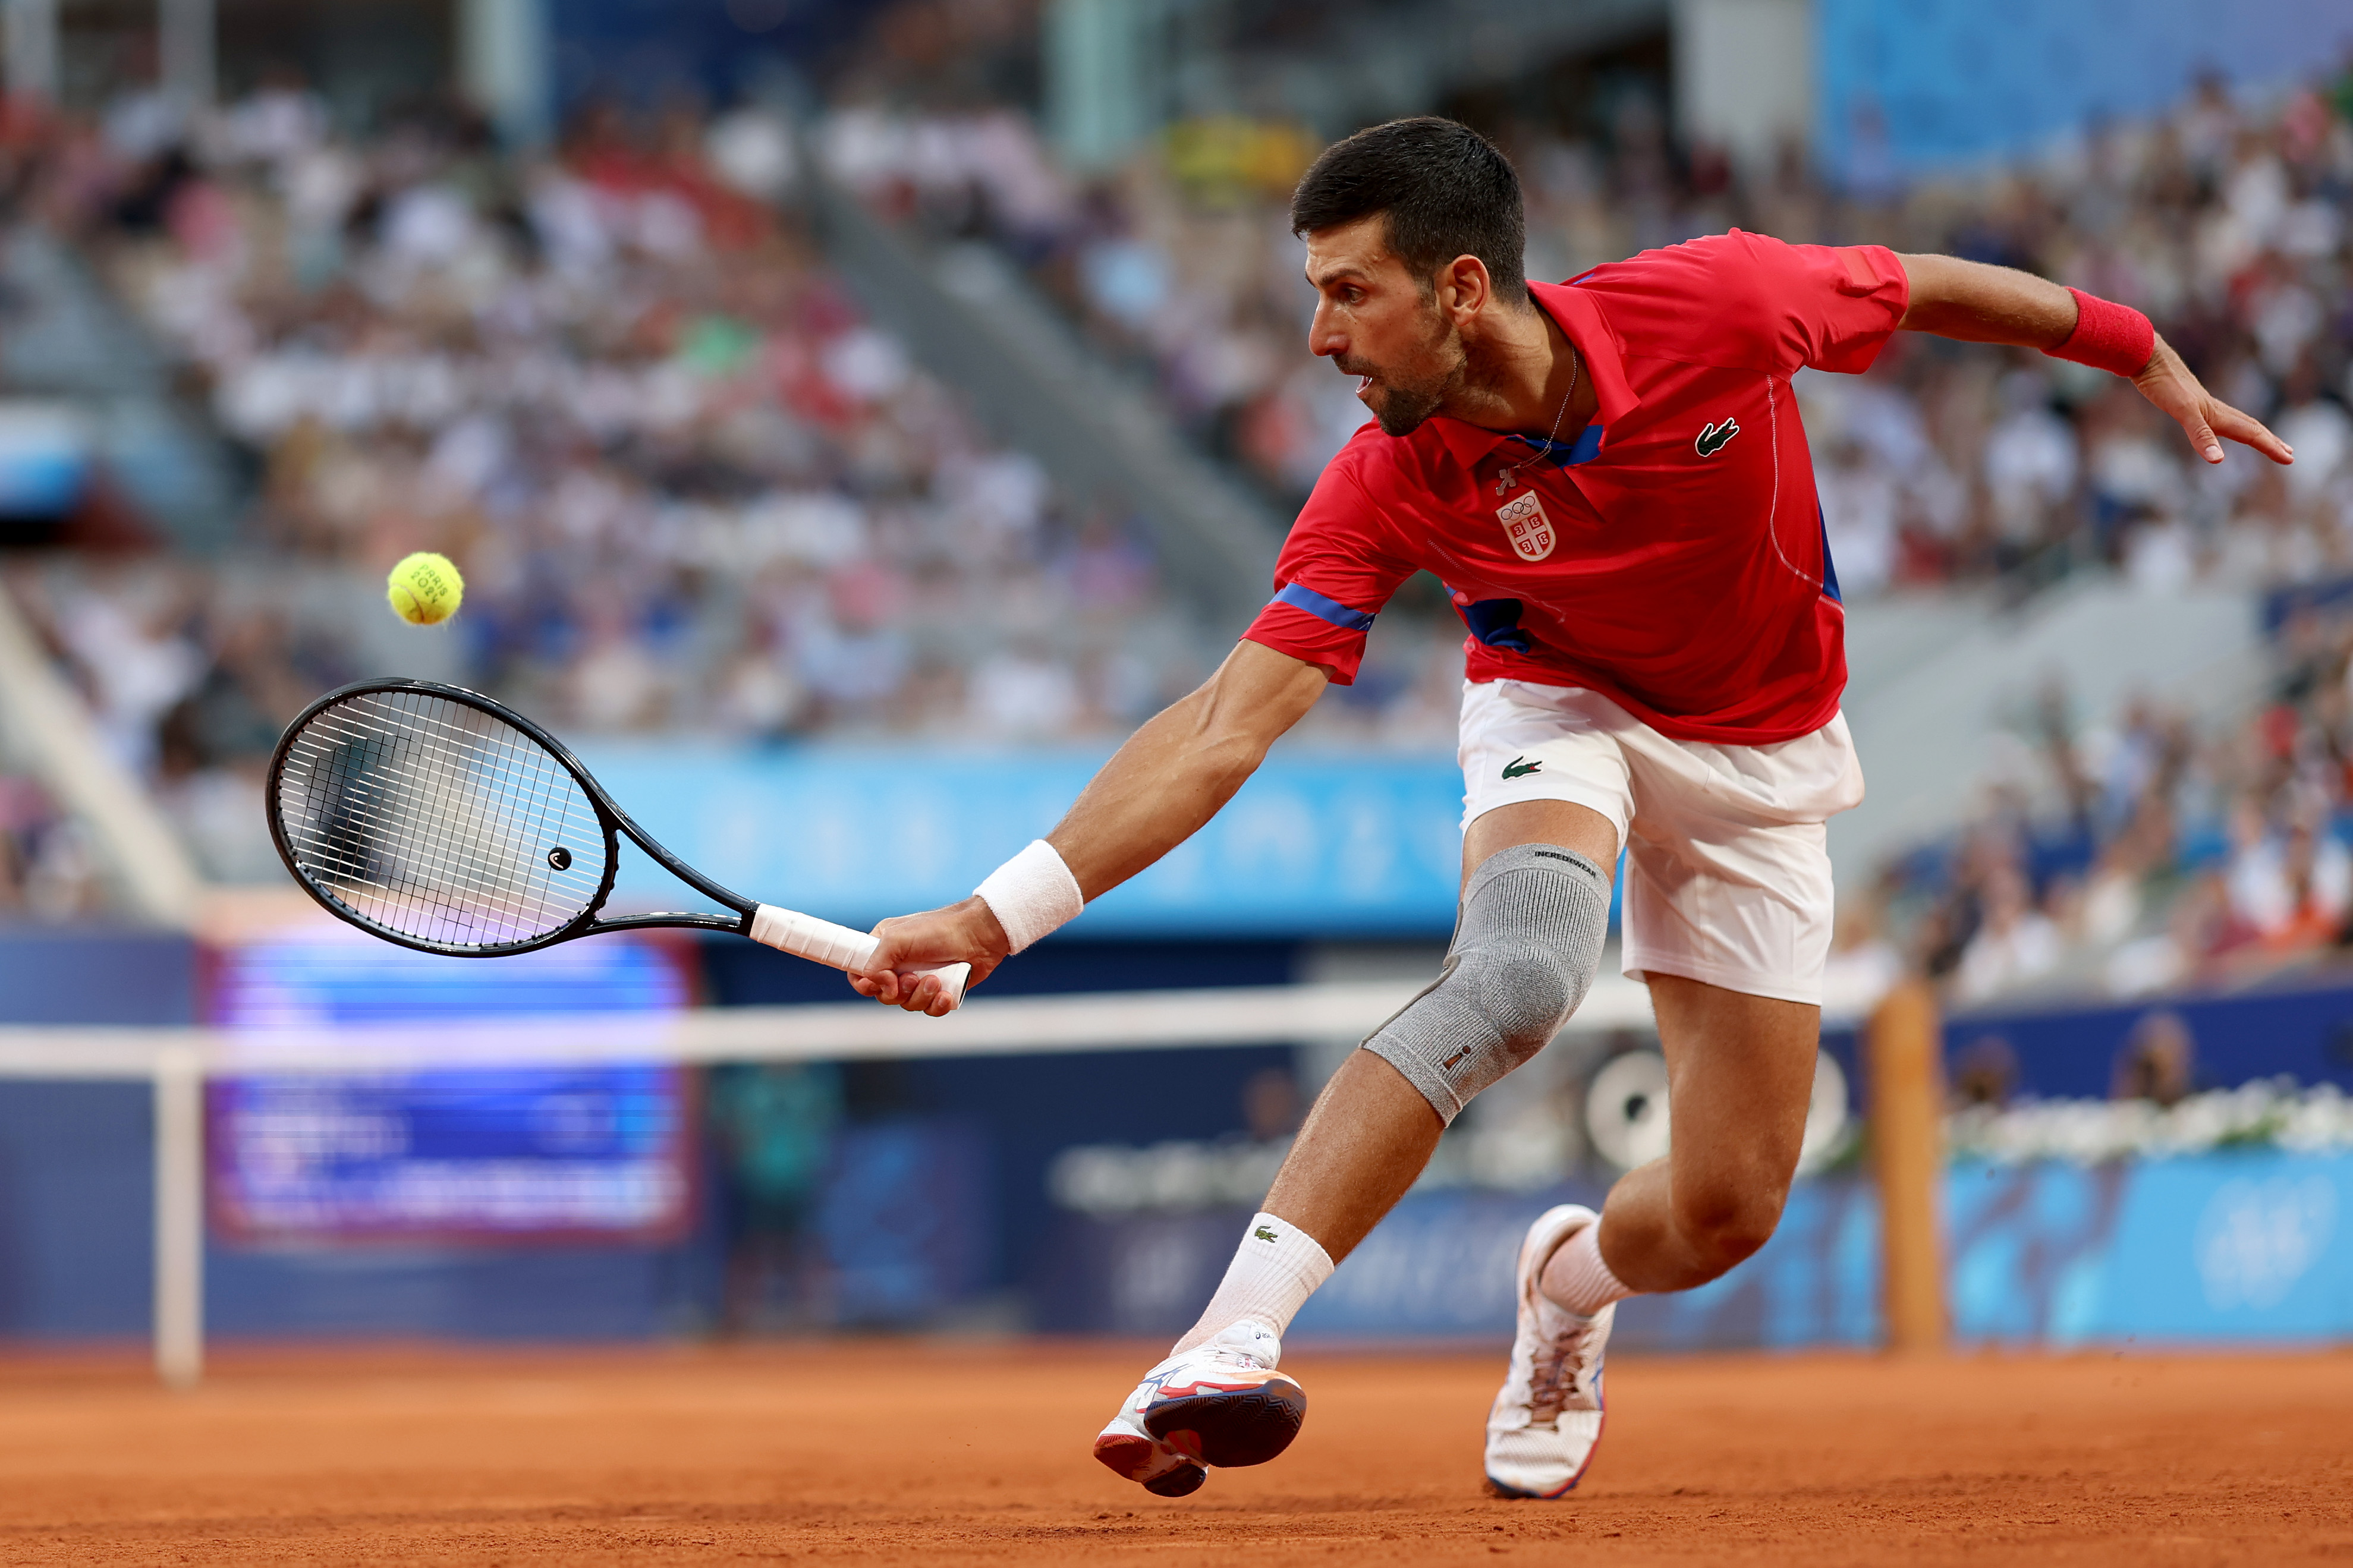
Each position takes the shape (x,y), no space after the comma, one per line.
(2108,336)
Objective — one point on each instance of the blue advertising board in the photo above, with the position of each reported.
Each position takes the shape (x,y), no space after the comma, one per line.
(1318,843)
(2235,1247)
(2303,1030)
(1933,84)
(2244,1247)
(596,1151)
(577,1152)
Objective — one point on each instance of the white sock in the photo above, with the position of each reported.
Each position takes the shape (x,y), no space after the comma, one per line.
(1275,1269)
(1577,1266)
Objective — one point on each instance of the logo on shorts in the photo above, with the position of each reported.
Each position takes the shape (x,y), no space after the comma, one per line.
(1712,439)
(1527,526)
(1520,767)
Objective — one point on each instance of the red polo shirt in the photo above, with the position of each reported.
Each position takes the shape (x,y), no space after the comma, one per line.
(1672,557)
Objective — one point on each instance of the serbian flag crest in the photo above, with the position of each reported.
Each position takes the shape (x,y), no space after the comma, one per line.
(1527,526)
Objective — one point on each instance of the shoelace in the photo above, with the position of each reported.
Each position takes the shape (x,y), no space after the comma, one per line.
(1551,1380)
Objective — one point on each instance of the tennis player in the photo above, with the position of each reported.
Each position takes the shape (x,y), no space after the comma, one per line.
(1610,480)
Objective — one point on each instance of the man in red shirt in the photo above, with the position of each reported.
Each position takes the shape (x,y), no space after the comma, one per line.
(1611,480)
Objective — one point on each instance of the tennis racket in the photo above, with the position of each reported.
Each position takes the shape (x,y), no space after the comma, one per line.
(434,818)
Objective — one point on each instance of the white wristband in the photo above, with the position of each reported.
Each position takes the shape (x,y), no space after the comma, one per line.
(1032,894)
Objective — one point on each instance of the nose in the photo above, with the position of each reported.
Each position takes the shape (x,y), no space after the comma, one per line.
(1324,339)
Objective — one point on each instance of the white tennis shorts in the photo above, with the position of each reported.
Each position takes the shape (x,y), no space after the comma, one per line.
(1728,864)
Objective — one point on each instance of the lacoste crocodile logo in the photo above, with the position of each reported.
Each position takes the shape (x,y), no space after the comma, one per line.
(1520,767)
(1712,439)
(1265,1233)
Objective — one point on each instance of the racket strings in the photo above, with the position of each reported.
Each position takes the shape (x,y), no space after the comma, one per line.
(445,807)
(403,862)
(521,774)
(434,821)
(459,880)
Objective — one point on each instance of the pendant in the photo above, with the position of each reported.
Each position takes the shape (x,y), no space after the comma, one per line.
(1506,480)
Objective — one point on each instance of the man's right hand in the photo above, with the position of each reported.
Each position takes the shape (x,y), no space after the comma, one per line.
(964,932)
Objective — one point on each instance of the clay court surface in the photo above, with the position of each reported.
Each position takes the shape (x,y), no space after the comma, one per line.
(876,1452)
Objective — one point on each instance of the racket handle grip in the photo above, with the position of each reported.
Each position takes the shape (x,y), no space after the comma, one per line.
(822,942)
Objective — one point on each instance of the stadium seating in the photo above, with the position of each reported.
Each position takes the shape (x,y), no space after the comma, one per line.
(696,489)
(693,488)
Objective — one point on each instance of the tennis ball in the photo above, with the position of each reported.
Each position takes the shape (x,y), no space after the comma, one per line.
(424,589)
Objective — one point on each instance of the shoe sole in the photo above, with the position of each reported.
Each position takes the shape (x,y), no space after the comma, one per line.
(1178,1483)
(1231,1429)
(1496,1488)
(1126,1457)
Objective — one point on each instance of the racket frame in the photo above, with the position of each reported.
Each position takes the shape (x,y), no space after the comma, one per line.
(609,816)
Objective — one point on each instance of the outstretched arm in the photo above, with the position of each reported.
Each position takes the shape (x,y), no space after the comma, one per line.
(1171,776)
(1981,304)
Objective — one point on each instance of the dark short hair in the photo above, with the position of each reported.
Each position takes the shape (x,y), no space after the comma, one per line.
(1446,190)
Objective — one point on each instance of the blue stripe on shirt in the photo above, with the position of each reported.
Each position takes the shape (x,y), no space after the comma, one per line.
(1568,454)
(1300,597)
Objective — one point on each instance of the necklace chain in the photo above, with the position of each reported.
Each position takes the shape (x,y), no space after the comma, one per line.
(1510,477)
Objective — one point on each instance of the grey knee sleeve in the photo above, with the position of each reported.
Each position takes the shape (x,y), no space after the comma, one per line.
(1526,948)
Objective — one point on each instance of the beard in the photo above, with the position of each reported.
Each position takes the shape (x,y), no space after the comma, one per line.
(1402,397)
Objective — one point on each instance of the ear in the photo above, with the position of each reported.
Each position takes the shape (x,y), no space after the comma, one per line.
(1463,288)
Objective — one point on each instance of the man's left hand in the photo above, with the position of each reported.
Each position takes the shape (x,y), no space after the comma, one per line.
(2206,419)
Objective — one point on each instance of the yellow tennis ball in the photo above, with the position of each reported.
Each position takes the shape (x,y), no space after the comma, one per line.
(424,589)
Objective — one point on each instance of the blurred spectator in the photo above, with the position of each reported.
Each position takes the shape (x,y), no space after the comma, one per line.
(47,870)
(2289,883)
(2014,944)
(1984,1072)
(2158,1061)
(772,1131)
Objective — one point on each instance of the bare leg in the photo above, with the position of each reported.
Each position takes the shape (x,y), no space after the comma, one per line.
(1371,1132)
(1368,1137)
(1740,1072)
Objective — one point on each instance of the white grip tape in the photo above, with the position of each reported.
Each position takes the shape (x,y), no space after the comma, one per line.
(822,942)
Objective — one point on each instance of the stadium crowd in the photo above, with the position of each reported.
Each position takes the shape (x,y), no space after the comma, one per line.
(693,488)
(2226,223)
(2141,855)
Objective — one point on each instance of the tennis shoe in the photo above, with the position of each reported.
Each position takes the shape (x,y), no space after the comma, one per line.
(1546,1419)
(1221,1402)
